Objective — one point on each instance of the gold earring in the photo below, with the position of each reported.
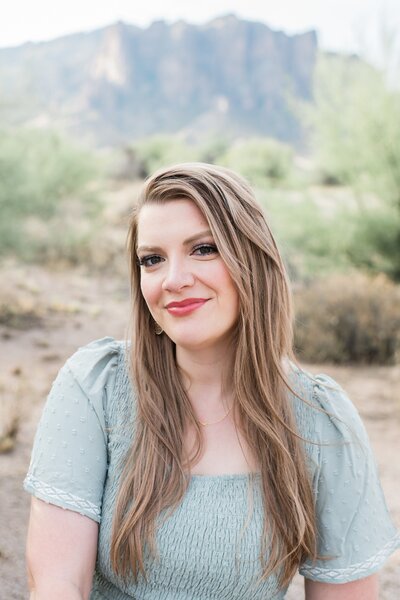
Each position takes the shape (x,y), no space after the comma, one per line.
(157,329)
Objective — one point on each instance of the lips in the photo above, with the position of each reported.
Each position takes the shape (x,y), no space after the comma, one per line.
(186,302)
(185,306)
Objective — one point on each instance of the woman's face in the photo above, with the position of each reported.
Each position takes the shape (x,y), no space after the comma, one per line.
(184,280)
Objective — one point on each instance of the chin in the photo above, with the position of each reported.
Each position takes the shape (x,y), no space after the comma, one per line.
(191,342)
(198,341)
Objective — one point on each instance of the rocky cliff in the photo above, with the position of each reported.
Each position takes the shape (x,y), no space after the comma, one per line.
(122,82)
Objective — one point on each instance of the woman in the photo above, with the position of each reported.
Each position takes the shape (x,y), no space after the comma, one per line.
(214,465)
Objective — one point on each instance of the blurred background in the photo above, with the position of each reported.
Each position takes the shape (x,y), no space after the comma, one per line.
(301,99)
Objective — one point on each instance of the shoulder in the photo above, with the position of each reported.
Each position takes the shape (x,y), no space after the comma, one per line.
(90,375)
(324,408)
(93,363)
(70,454)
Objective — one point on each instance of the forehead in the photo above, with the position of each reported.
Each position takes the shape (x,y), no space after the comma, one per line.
(175,217)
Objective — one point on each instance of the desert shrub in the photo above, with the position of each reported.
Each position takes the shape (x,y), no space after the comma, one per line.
(374,245)
(348,319)
(321,233)
(259,160)
(213,149)
(137,161)
(43,177)
(356,127)
(314,241)
(161,150)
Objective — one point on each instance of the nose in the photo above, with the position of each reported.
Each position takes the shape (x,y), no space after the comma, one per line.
(177,276)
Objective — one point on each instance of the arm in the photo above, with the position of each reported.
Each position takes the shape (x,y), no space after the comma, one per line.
(355,531)
(362,589)
(61,553)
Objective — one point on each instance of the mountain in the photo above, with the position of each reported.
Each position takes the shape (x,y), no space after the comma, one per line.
(123,82)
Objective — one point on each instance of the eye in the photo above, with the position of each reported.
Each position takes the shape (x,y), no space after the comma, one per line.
(149,261)
(205,250)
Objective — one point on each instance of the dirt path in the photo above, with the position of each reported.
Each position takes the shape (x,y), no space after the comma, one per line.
(86,308)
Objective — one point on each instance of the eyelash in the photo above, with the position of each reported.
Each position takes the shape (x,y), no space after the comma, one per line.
(141,262)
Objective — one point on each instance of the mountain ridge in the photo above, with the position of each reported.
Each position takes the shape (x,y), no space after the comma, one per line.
(122,82)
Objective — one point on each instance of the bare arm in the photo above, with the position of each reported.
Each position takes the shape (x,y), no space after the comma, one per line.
(61,553)
(362,589)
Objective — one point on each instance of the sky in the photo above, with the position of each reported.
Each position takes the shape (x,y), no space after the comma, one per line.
(342,25)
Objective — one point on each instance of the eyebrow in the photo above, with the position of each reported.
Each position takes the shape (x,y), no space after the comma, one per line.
(190,240)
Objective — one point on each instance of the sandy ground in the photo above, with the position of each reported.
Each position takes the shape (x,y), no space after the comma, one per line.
(76,309)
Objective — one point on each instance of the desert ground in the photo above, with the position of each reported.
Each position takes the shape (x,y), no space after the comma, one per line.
(76,307)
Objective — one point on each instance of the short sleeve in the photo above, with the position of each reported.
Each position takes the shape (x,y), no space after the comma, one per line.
(69,458)
(355,530)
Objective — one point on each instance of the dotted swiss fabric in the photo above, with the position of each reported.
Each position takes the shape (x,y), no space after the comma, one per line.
(209,547)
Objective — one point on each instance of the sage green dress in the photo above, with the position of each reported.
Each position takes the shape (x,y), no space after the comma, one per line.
(205,552)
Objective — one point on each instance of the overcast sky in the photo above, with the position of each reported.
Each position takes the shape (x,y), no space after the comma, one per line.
(341,24)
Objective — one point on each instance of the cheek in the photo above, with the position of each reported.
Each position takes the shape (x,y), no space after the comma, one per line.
(234,302)
(150,291)
(229,290)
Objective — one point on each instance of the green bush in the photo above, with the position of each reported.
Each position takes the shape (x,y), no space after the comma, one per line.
(163,150)
(311,241)
(348,319)
(375,243)
(44,188)
(260,160)
(356,128)
(214,149)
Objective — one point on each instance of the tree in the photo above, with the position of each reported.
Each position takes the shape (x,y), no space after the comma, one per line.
(356,133)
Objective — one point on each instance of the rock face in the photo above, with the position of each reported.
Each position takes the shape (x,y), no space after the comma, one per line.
(119,83)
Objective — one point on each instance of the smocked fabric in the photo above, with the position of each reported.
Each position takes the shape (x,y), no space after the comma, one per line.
(209,547)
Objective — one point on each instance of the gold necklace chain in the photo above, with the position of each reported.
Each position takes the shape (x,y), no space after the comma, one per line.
(219,420)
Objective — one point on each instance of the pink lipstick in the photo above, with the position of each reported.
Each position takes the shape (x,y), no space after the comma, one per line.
(185,306)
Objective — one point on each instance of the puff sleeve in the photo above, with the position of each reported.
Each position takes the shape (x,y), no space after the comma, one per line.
(69,458)
(354,527)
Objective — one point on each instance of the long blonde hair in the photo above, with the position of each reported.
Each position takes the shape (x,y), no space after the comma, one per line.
(155,476)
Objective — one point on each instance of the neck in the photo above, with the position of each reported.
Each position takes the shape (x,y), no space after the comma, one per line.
(205,375)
